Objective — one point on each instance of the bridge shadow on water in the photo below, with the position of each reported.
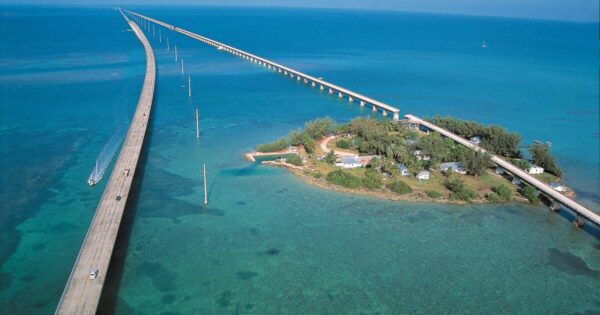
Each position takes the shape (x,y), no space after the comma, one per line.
(109,300)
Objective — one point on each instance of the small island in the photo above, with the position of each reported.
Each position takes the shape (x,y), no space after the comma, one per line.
(402,161)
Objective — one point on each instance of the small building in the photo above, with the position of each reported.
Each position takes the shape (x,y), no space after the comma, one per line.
(475,140)
(349,162)
(534,169)
(499,170)
(516,181)
(410,141)
(452,166)
(403,169)
(420,156)
(558,186)
(423,175)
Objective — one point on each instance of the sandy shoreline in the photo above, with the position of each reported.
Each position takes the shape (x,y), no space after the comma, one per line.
(305,174)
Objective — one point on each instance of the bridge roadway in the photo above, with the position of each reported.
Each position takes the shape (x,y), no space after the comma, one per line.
(364,100)
(82,294)
(580,210)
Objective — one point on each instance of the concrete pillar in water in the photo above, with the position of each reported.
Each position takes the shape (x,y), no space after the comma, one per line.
(350,99)
(298,78)
(374,108)
(305,81)
(340,95)
(384,112)
(554,206)
(362,103)
(396,116)
(330,91)
(313,84)
(579,221)
(285,73)
(322,87)
(279,70)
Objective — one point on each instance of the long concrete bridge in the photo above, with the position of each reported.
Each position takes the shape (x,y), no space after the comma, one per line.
(582,213)
(82,294)
(286,71)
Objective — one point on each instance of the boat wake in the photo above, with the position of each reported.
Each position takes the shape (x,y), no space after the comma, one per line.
(105,157)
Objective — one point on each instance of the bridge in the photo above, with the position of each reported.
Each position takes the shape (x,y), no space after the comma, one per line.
(286,71)
(582,213)
(82,294)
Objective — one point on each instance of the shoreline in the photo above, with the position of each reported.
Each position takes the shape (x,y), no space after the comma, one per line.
(417,196)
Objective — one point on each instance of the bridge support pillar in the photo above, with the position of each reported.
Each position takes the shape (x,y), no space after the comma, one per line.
(350,99)
(362,103)
(291,75)
(374,108)
(305,81)
(384,112)
(313,84)
(330,91)
(279,70)
(579,221)
(554,206)
(298,78)
(340,95)
(396,116)
(322,87)
(285,73)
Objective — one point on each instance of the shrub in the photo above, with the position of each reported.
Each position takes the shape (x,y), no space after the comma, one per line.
(276,145)
(541,156)
(318,174)
(343,178)
(493,197)
(400,187)
(465,194)
(504,193)
(475,163)
(294,160)
(343,144)
(530,193)
(318,128)
(520,163)
(458,188)
(330,157)
(433,194)
(372,180)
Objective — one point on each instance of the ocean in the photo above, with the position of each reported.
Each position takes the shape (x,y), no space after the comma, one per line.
(268,243)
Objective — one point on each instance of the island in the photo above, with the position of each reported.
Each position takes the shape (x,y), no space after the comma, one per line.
(402,161)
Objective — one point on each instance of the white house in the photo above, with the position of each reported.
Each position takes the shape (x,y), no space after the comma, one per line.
(534,169)
(475,140)
(423,175)
(558,186)
(403,169)
(354,161)
(452,166)
(420,156)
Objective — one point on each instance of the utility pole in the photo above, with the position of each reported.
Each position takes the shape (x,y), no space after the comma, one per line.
(205,194)
(197,125)
(189,86)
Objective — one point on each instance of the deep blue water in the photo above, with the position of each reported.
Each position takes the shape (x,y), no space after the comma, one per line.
(269,244)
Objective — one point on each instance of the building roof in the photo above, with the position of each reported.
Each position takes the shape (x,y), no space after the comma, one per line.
(556,185)
(401,166)
(350,160)
(423,173)
(455,166)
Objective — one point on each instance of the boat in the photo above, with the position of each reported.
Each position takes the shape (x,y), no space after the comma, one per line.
(484,44)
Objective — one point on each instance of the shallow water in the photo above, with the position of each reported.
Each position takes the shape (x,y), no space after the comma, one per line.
(267,243)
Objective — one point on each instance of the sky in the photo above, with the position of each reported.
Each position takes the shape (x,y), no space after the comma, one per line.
(566,10)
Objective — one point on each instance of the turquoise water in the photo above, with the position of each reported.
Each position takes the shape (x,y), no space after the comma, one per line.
(268,243)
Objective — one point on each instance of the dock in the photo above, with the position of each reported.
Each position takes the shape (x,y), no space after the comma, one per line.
(82,293)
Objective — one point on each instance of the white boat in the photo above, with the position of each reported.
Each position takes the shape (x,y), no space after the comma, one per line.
(483,44)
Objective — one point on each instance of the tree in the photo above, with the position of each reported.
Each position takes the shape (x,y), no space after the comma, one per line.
(504,193)
(372,179)
(294,160)
(521,163)
(276,145)
(400,187)
(541,156)
(331,157)
(343,178)
(530,193)
(320,127)
(458,188)
(475,163)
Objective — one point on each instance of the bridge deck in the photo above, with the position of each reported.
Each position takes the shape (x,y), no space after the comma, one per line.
(242,53)
(82,294)
(579,209)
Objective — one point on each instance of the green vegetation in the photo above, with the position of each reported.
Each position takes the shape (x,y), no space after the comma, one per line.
(475,163)
(399,187)
(276,145)
(330,157)
(458,188)
(294,160)
(319,128)
(493,138)
(433,194)
(503,192)
(372,180)
(530,193)
(344,178)
(343,144)
(541,156)
(521,163)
